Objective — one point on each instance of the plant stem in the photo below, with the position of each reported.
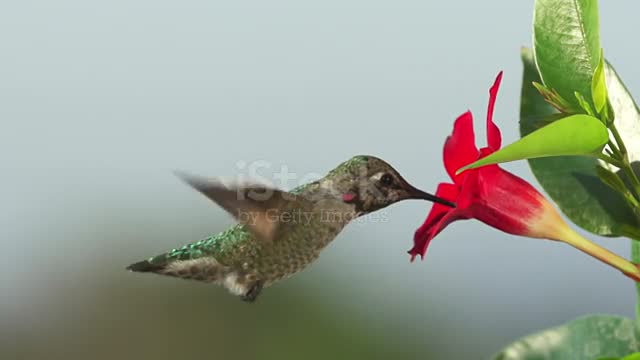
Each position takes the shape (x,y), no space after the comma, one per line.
(624,158)
(576,240)
(610,160)
(614,149)
(635,257)
(619,142)
(633,178)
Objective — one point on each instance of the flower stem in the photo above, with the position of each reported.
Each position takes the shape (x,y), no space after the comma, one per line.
(619,142)
(610,160)
(614,149)
(635,256)
(623,157)
(576,240)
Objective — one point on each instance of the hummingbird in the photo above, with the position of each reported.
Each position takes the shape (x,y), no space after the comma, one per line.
(280,233)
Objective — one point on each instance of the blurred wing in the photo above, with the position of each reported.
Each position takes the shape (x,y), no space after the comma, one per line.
(256,206)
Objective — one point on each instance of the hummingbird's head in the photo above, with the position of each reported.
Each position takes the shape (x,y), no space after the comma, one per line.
(371,184)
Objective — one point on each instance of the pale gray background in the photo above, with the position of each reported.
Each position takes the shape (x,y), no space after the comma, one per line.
(100,100)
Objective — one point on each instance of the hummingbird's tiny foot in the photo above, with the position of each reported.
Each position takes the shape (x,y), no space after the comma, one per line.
(253,292)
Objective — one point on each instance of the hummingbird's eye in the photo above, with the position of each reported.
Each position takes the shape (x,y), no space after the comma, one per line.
(386,179)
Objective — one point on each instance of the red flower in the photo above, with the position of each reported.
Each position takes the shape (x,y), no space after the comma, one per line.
(490,194)
(499,198)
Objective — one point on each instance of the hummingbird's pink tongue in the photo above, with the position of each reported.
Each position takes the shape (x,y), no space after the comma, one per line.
(349,197)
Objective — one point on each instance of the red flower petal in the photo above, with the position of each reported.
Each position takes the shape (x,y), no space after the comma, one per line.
(439,217)
(460,148)
(494,138)
(502,200)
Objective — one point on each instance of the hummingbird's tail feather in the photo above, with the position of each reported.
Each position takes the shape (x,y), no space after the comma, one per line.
(145,266)
(204,269)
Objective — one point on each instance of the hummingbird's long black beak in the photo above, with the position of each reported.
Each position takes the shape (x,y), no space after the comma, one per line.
(419,194)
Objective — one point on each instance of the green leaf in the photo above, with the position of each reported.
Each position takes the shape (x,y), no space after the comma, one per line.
(566,37)
(634,356)
(599,86)
(572,135)
(600,93)
(572,182)
(591,337)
